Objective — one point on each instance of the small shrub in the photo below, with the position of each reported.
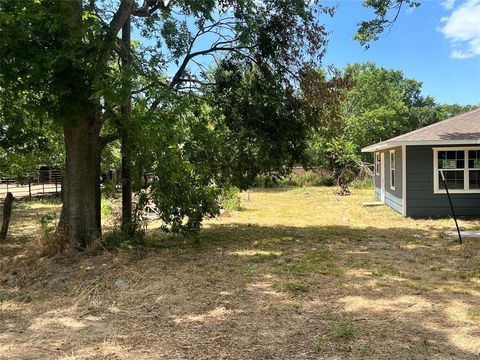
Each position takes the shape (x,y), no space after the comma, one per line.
(230,199)
(324,181)
(121,242)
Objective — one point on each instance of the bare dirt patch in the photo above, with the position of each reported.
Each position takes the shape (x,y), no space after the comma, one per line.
(298,274)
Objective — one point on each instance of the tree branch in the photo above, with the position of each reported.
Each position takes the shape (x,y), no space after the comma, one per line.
(121,15)
(105,140)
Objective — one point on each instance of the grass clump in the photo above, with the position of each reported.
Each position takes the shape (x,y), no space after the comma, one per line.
(366,183)
(261,258)
(345,331)
(50,242)
(292,287)
(473,314)
(320,344)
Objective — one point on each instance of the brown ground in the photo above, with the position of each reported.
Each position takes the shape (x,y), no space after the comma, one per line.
(298,274)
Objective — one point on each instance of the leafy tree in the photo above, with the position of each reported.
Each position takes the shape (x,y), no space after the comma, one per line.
(378,104)
(67,54)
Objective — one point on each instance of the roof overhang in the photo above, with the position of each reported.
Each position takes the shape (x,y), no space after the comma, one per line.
(390,144)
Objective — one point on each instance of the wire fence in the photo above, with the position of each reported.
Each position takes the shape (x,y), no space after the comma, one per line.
(43,182)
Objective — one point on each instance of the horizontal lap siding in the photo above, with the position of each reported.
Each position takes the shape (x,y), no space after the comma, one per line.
(393,198)
(394,202)
(421,201)
(378,185)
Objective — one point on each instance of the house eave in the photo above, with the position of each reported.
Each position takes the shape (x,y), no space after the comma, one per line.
(390,144)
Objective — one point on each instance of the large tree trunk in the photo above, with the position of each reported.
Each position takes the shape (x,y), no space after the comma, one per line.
(82,186)
(127,223)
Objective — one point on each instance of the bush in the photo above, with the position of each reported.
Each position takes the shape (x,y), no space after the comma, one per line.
(230,198)
(109,190)
(366,183)
(308,178)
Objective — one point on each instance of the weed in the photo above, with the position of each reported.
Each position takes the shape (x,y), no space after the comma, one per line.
(320,344)
(247,271)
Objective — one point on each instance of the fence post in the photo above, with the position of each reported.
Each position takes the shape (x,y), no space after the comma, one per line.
(7,212)
(29,187)
(56,191)
(43,186)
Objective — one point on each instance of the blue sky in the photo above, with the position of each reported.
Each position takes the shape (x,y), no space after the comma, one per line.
(437,43)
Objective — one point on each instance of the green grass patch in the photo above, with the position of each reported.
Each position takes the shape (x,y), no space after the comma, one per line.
(344,331)
(261,258)
(386,271)
(473,313)
(316,262)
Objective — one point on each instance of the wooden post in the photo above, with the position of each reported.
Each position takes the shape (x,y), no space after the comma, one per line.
(29,187)
(7,211)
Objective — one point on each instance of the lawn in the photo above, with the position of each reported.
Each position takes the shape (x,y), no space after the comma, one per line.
(299,273)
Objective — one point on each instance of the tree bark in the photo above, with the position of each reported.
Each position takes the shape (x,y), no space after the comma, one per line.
(127,209)
(7,212)
(81,210)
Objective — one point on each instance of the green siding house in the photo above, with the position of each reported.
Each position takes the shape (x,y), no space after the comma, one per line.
(408,168)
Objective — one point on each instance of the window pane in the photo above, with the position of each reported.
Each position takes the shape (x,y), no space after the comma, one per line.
(392,178)
(474,179)
(474,159)
(451,159)
(454,179)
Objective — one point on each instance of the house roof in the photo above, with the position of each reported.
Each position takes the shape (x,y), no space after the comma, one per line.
(458,130)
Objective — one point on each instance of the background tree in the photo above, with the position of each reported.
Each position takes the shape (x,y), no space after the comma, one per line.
(67,54)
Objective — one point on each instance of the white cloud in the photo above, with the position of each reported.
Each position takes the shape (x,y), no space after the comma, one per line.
(462,28)
(448,4)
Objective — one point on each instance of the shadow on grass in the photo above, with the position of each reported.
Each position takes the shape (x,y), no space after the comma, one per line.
(279,292)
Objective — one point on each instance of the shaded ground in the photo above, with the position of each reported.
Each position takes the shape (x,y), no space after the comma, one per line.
(299,274)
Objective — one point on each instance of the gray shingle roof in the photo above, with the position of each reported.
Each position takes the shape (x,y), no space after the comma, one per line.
(460,129)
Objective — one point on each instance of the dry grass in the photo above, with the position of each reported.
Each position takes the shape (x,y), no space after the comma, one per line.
(299,274)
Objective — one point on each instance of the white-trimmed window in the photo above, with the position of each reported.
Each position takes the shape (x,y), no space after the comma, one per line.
(377,163)
(392,169)
(460,167)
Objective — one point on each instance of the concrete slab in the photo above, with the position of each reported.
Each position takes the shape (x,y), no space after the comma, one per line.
(465,234)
